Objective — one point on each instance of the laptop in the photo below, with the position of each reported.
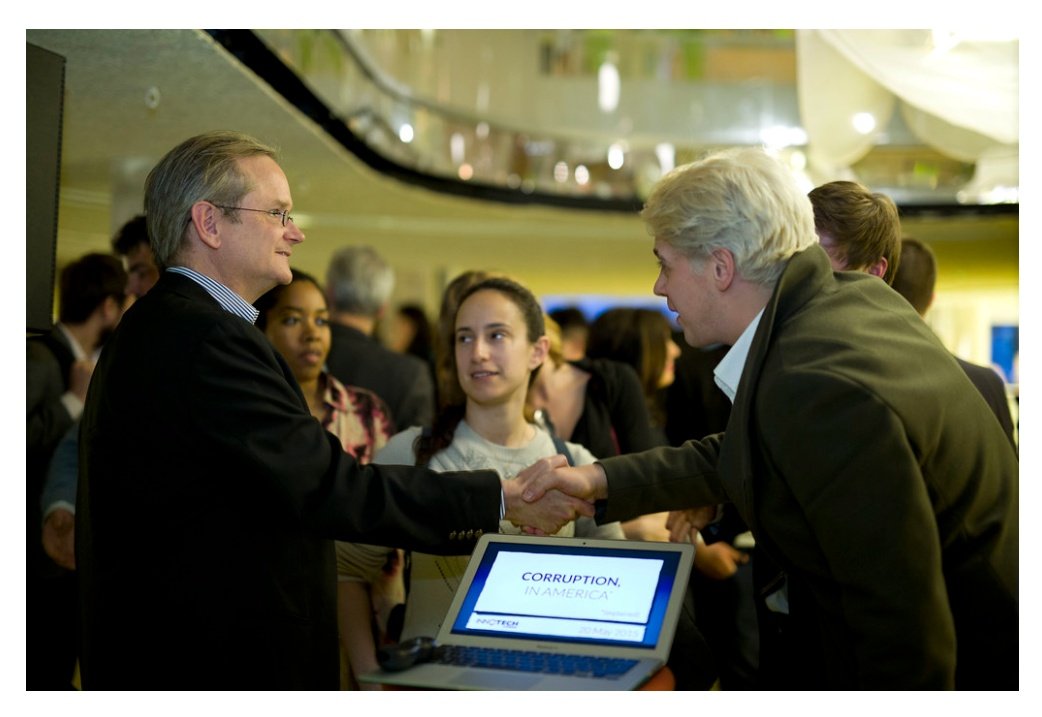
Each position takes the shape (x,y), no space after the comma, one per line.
(535,613)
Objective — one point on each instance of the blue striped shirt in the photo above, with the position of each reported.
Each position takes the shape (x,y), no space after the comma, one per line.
(228,299)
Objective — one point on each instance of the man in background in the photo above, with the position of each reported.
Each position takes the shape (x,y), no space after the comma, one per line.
(58,498)
(131,243)
(59,366)
(915,280)
(859,230)
(358,287)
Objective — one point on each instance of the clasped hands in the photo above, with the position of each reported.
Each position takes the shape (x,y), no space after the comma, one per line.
(550,493)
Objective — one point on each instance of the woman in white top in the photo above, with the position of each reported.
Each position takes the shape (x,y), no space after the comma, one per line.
(499,343)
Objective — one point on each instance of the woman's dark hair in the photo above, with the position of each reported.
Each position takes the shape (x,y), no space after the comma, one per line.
(420,346)
(638,337)
(453,401)
(268,299)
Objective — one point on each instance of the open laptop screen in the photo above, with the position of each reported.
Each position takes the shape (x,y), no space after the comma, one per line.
(570,593)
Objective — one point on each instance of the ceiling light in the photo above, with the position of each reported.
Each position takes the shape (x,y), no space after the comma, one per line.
(864,122)
(667,156)
(608,86)
(456,147)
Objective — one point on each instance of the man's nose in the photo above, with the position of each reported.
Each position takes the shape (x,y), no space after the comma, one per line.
(293,232)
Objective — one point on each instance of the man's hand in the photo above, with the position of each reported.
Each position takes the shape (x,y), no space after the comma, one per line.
(718,561)
(59,536)
(541,502)
(647,527)
(684,525)
(586,482)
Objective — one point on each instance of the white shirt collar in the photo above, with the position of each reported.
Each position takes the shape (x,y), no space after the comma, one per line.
(78,353)
(728,372)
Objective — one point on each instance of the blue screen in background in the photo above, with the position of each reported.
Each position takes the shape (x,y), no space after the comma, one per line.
(1005,345)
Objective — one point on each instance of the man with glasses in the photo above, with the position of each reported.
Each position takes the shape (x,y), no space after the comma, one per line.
(208,493)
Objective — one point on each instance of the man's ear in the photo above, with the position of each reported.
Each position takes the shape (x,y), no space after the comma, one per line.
(879,268)
(111,310)
(204,219)
(721,263)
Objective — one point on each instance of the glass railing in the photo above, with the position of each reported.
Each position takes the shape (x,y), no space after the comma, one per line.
(339,77)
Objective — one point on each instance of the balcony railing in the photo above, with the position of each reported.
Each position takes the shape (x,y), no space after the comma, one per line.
(562,156)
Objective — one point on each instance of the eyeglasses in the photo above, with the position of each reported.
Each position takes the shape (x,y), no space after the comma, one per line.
(282,214)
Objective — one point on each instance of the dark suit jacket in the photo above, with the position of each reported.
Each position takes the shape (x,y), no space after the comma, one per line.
(402,381)
(207,502)
(993,390)
(48,359)
(871,472)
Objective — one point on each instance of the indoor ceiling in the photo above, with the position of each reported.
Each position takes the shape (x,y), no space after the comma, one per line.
(131,95)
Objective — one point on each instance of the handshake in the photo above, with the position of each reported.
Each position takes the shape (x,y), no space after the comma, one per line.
(550,493)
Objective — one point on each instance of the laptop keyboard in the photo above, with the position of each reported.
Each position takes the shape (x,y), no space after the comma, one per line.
(610,668)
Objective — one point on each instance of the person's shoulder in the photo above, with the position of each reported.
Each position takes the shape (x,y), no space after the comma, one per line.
(399,448)
(614,379)
(39,348)
(581,455)
(404,363)
(408,372)
(177,299)
(982,374)
(348,334)
(543,445)
(608,370)
(188,317)
(369,349)
(354,394)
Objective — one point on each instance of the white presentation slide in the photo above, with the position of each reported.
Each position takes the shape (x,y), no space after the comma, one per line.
(560,586)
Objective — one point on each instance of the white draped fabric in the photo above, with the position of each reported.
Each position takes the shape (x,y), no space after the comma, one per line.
(963,102)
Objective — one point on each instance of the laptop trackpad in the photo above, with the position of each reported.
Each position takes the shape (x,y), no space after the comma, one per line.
(496,680)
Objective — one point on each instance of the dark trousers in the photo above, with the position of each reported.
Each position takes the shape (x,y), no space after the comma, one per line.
(726,612)
(51,631)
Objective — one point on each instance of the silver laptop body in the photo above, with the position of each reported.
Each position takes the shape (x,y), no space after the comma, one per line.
(559,596)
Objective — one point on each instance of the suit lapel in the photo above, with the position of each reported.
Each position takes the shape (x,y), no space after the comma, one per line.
(801,279)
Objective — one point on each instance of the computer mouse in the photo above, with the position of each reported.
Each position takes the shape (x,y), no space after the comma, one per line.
(403,655)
